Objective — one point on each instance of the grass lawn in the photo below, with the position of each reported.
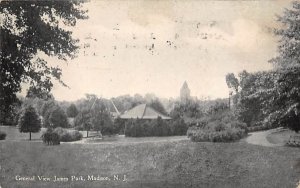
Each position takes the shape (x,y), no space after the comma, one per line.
(13,133)
(281,136)
(153,164)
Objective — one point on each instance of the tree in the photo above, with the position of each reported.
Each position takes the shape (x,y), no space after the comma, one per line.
(72,111)
(56,117)
(156,105)
(83,121)
(288,34)
(29,29)
(29,121)
(252,98)
(282,101)
(94,115)
(189,109)
(283,106)
(232,82)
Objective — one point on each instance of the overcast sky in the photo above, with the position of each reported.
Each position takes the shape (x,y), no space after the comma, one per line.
(154,46)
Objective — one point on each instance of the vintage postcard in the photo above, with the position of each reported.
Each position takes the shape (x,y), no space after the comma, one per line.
(149,93)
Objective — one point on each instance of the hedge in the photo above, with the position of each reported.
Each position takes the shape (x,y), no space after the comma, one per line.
(156,127)
(67,135)
(218,130)
(207,135)
(50,137)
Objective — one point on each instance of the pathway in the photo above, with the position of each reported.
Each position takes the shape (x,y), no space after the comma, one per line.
(260,138)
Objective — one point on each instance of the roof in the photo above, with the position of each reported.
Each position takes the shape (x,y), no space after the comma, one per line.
(143,111)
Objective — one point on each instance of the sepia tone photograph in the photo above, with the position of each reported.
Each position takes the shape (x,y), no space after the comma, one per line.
(149,94)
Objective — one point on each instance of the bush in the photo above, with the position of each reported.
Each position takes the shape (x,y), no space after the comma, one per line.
(51,138)
(2,135)
(67,135)
(178,127)
(207,135)
(220,127)
(156,127)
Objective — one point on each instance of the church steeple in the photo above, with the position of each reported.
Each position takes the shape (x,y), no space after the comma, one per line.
(185,92)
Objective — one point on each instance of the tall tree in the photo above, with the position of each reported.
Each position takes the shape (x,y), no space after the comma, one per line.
(277,92)
(232,82)
(289,38)
(27,30)
(72,111)
(284,104)
(29,121)
(56,117)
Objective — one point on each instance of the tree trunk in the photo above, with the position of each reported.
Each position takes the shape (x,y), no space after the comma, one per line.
(87,133)
(29,135)
(229,101)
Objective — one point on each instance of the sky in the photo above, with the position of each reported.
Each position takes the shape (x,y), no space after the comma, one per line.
(151,46)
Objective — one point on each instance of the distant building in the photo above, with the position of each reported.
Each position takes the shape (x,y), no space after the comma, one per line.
(185,93)
(143,111)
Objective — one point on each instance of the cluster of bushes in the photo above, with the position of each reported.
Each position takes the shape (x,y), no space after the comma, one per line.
(218,127)
(54,137)
(2,135)
(208,135)
(50,137)
(67,135)
(156,127)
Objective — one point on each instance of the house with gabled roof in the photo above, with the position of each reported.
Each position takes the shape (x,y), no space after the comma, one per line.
(143,111)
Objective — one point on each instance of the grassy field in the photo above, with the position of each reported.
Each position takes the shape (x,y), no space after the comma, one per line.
(281,136)
(158,164)
(13,133)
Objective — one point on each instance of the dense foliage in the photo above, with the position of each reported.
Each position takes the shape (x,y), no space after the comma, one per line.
(50,137)
(67,135)
(189,109)
(271,98)
(28,30)
(72,111)
(29,121)
(55,117)
(95,115)
(156,127)
(220,125)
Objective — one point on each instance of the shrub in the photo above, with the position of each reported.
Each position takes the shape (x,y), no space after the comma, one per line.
(67,135)
(51,138)
(156,127)
(207,135)
(178,127)
(2,135)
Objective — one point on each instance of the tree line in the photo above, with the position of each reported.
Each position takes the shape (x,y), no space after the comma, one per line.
(272,98)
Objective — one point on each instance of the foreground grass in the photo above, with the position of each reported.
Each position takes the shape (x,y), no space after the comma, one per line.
(166,164)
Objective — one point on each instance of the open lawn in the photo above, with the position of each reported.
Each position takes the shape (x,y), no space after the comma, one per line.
(13,133)
(154,164)
(281,136)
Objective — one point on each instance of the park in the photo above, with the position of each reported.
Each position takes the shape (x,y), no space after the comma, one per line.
(149,94)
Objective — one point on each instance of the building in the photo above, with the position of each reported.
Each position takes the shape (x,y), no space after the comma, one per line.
(185,93)
(143,111)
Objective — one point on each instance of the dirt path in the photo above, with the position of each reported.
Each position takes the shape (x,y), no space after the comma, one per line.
(260,138)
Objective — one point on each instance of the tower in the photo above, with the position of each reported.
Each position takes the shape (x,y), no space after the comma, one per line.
(185,93)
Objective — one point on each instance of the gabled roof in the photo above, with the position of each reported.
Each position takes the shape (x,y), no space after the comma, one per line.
(143,111)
